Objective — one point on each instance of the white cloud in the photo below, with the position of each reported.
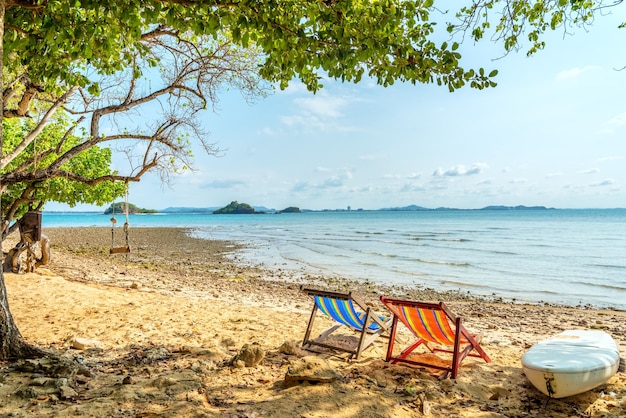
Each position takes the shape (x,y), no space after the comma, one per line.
(589,171)
(618,120)
(322,105)
(552,175)
(295,87)
(614,123)
(332,182)
(414,176)
(223,184)
(391,176)
(574,72)
(268,132)
(321,112)
(409,187)
(603,183)
(519,180)
(610,158)
(336,180)
(301,186)
(460,170)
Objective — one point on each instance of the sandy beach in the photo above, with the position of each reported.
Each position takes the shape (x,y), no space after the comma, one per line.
(157,332)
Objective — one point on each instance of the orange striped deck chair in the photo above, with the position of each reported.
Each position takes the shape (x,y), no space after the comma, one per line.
(438,329)
(347,310)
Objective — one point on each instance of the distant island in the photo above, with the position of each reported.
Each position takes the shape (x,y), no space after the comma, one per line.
(520,207)
(291,209)
(120,207)
(414,208)
(210,209)
(236,207)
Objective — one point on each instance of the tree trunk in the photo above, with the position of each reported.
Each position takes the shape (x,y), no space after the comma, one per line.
(12,345)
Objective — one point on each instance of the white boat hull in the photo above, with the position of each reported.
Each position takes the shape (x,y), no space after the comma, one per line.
(571,362)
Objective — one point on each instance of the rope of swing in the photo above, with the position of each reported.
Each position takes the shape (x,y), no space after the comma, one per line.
(126,224)
(113,222)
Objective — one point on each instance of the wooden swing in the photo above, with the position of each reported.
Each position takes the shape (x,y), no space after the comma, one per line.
(124,249)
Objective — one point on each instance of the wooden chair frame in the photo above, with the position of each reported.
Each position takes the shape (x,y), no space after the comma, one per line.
(372,326)
(461,346)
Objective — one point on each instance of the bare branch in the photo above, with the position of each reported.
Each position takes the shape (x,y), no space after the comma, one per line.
(152,120)
(35,132)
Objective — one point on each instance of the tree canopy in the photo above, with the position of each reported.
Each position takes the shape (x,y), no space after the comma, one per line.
(514,22)
(388,40)
(93,162)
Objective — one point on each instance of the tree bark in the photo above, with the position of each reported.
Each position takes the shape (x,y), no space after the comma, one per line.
(12,344)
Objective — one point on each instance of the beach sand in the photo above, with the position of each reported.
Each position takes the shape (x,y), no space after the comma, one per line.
(154,333)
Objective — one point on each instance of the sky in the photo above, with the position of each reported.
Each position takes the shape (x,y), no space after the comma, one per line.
(552,133)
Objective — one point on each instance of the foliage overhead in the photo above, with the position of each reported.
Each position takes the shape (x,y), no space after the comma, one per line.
(388,40)
(94,162)
(515,23)
(149,121)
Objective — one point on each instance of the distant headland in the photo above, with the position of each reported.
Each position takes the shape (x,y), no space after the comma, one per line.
(499,207)
(236,208)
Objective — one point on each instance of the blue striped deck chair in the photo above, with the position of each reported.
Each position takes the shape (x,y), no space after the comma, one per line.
(347,310)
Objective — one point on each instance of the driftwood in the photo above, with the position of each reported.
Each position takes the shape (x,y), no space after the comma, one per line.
(24,255)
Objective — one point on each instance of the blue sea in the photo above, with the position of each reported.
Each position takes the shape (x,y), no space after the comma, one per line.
(573,257)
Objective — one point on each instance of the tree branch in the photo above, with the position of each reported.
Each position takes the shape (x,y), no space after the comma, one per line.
(35,132)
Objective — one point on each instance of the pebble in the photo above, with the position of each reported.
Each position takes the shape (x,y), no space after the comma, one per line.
(84,344)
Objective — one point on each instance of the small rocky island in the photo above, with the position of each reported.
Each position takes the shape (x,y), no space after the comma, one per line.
(291,209)
(120,207)
(234,208)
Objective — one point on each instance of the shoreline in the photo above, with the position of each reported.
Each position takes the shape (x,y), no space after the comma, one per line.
(190,299)
(95,241)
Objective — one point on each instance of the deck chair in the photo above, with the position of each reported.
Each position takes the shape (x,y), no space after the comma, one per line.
(438,329)
(347,310)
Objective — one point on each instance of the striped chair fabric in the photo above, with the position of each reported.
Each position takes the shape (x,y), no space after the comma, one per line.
(342,311)
(429,324)
(432,323)
(347,310)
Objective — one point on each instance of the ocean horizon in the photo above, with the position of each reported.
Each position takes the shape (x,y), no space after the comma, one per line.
(572,257)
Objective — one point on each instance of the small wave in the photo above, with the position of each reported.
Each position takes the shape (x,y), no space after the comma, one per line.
(502,252)
(596,285)
(445,263)
(455,283)
(607,266)
(453,240)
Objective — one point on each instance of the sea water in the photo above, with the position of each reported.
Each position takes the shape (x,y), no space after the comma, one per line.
(566,256)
